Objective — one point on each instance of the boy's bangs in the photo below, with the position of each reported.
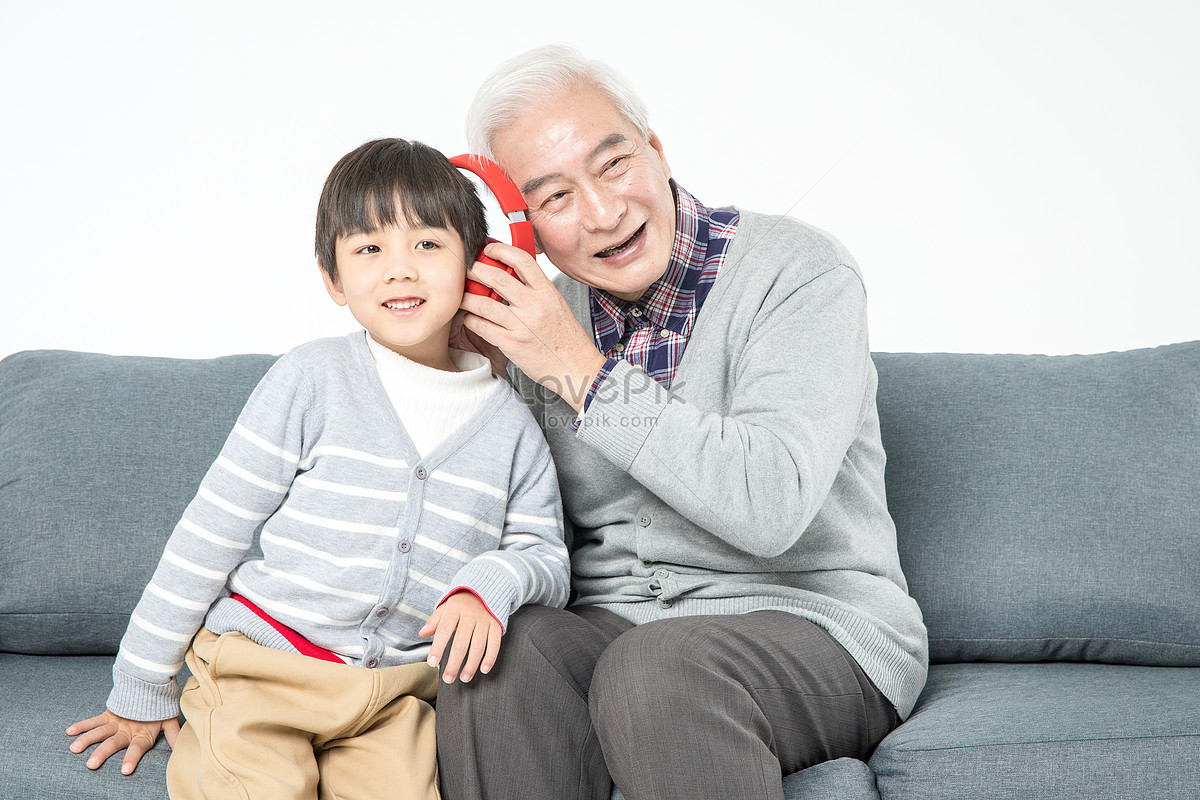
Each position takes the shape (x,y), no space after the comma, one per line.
(382,207)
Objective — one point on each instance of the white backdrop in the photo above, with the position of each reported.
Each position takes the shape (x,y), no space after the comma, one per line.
(1017,176)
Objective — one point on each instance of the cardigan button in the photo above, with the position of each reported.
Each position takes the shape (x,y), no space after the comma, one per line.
(404,545)
(643,520)
(371,663)
(421,474)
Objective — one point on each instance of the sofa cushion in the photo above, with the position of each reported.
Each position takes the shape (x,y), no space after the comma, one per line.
(1019,731)
(99,455)
(1047,506)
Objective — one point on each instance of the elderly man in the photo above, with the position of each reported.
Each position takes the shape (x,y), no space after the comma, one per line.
(704,381)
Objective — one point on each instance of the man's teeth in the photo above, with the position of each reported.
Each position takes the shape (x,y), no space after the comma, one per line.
(618,248)
(400,305)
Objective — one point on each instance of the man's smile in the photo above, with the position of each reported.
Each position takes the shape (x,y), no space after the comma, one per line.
(614,250)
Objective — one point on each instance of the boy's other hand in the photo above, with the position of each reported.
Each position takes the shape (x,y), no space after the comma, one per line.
(476,636)
(117,733)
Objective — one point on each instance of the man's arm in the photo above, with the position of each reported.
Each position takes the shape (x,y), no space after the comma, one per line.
(757,474)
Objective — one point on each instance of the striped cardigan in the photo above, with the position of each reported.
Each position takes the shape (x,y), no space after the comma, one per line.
(360,536)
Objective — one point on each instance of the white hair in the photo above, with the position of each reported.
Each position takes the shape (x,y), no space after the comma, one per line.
(538,74)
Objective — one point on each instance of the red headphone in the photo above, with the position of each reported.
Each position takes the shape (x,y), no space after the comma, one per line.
(511,203)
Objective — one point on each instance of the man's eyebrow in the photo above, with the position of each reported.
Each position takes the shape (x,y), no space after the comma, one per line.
(612,140)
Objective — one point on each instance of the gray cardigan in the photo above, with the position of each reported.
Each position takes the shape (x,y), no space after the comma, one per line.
(361,535)
(756,481)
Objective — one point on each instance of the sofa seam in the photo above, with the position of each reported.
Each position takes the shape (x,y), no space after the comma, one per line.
(1041,742)
(1192,645)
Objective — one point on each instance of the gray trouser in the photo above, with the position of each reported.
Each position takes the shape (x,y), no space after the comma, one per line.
(715,706)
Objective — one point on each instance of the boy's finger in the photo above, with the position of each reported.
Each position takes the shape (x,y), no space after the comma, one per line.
(90,737)
(171,731)
(431,624)
(89,724)
(445,630)
(133,754)
(109,746)
(479,640)
(493,649)
(458,649)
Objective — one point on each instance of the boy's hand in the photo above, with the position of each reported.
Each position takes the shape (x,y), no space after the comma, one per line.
(117,733)
(476,636)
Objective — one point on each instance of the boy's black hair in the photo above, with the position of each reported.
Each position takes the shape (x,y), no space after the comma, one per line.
(363,189)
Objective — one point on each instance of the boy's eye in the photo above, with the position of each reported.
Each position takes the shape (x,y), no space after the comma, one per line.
(368,249)
(426,245)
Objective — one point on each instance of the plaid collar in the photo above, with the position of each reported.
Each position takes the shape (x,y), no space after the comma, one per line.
(702,237)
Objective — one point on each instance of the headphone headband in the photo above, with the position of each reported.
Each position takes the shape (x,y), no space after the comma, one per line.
(506,193)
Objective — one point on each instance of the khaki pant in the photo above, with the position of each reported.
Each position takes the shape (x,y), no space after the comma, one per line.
(264,724)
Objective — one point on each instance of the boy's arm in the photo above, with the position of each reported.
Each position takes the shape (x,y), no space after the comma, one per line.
(243,487)
(532,564)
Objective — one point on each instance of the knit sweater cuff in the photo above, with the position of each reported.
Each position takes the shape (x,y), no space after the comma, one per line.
(492,584)
(140,700)
(622,414)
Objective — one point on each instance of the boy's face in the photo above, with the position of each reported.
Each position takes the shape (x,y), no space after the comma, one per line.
(404,286)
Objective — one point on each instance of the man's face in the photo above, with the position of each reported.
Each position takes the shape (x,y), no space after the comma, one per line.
(597,191)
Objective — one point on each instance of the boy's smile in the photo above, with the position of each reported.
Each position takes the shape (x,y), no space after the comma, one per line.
(404,286)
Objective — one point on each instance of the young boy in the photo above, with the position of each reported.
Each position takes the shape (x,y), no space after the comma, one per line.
(398,491)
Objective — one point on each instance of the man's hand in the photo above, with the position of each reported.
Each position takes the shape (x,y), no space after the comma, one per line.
(476,636)
(536,330)
(117,733)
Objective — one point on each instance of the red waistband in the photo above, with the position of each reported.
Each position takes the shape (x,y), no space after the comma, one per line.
(302,645)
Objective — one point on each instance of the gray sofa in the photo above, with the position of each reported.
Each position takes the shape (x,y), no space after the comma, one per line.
(1048,511)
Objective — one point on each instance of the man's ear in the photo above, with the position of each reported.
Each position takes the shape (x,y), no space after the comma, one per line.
(333,286)
(657,145)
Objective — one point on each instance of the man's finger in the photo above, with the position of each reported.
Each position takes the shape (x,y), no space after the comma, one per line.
(526,266)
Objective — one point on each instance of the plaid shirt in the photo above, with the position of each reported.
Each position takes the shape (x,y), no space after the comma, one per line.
(652,331)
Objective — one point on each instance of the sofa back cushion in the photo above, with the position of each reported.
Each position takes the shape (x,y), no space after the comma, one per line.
(1048,508)
(99,455)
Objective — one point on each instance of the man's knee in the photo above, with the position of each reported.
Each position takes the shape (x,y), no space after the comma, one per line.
(646,672)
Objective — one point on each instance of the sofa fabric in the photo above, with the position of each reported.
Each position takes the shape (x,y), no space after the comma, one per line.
(1046,506)
(1047,731)
(99,455)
